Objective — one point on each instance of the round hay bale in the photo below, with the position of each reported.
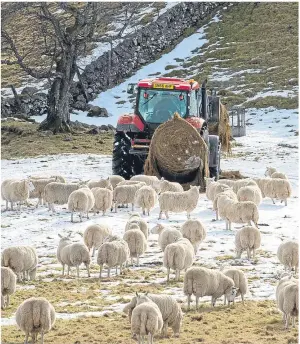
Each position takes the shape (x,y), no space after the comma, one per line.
(178,153)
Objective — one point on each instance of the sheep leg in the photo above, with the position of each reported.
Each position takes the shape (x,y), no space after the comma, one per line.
(165,329)
(213,302)
(132,206)
(116,206)
(26,338)
(24,276)
(177,275)
(80,216)
(144,213)
(100,271)
(188,215)
(11,206)
(6,205)
(224,300)
(148,212)
(248,253)
(167,214)
(69,269)
(137,260)
(150,338)
(293,322)
(131,259)
(87,215)
(88,269)
(63,272)
(229,222)
(52,208)
(38,203)
(108,272)
(217,215)
(285,202)
(273,200)
(7,301)
(287,320)
(242,296)
(103,213)
(189,301)
(168,274)
(116,269)
(197,302)
(160,215)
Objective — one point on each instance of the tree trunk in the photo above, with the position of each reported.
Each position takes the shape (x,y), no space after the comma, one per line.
(58,117)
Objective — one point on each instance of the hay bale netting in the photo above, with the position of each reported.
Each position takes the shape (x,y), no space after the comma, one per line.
(222,129)
(178,153)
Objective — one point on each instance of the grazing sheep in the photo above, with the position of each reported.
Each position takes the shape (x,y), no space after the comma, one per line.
(166,235)
(165,185)
(237,184)
(102,183)
(145,198)
(201,282)
(39,186)
(247,239)
(95,235)
(8,285)
(178,256)
(194,231)
(169,308)
(103,199)
(287,299)
(238,212)
(179,201)
(113,252)
(72,255)
(125,194)
(288,255)
(135,218)
(219,203)
(240,282)
(137,243)
(16,191)
(269,171)
(250,193)
(22,260)
(115,179)
(148,180)
(214,188)
(58,193)
(146,319)
(81,200)
(279,189)
(35,315)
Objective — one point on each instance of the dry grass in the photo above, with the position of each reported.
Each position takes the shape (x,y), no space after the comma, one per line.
(26,141)
(254,323)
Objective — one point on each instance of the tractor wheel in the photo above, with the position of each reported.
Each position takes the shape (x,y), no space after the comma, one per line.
(123,163)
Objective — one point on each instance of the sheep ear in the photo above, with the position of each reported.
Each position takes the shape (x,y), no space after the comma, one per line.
(60,235)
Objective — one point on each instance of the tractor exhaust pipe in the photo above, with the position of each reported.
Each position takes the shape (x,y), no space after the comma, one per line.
(204,100)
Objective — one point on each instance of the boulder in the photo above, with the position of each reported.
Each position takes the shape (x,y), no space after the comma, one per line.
(97,111)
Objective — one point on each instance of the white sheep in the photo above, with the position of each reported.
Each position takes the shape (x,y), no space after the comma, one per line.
(103,199)
(240,281)
(35,315)
(58,193)
(279,189)
(137,243)
(247,239)
(237,184)
(94,236)
(113,252)
(166,235)
(125,194)
(16,191)
(165,185)
(8,285)
(269,171)
(250,193)
(288,255)
(39,186)
(146,319)
(82,201)
(72,255)
(148,180)
(194,231)
(261,183)
(287,299)
(238,212)
(219,203)
(179,201)
(213,188)
(200,281)
(115,179)
(145,198)
(178,256)
(22,260)
(169,308)
(102,183)
(135,218)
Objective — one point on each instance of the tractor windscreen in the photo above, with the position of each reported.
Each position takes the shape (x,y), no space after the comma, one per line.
(158,106)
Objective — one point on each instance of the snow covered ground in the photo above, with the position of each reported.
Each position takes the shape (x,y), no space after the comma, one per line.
(270,141)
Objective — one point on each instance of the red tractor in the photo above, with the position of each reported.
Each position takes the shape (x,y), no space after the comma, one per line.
(156,102)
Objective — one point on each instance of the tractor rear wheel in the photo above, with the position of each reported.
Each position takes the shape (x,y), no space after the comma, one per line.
(123,163)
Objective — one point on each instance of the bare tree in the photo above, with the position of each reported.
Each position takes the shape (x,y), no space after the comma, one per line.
(62,38)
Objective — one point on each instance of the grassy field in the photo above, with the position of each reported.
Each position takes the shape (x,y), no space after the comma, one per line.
(247,60)
(253,323)
(22,140)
